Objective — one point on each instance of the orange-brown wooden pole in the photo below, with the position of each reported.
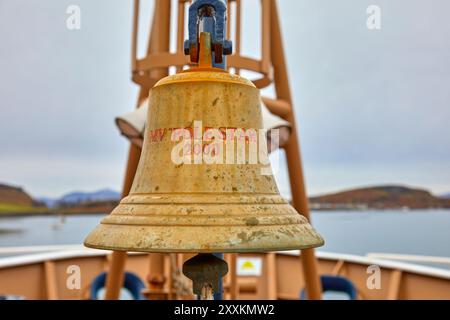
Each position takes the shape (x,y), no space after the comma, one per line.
(115,279)
(294,161)
(265,41)
(180,28)
(159,42)
(134,35)
(115,275)
(238,37)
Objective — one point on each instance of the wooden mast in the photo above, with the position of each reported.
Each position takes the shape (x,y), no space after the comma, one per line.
(158,41)
(293,155)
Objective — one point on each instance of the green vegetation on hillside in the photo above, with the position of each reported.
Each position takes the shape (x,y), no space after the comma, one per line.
(11,209)
(384,197)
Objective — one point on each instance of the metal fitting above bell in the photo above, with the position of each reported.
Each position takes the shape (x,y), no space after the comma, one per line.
(198,193)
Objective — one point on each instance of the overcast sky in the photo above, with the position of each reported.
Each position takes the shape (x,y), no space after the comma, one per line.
(373,107)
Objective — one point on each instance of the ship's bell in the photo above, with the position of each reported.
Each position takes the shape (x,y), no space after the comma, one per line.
(186,202)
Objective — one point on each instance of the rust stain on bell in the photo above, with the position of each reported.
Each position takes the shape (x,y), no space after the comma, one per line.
(179,207)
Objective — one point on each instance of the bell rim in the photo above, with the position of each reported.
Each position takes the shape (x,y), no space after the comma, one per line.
(204,239)
(243,250)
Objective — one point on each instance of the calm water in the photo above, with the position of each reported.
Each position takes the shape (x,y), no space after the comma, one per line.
(414,232)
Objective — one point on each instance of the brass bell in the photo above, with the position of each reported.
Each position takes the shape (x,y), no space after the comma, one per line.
(186,202)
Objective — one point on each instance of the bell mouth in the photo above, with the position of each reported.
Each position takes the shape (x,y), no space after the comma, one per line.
(213,224)
(195,250)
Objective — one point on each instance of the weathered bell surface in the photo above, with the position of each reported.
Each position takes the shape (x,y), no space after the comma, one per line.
(192,195)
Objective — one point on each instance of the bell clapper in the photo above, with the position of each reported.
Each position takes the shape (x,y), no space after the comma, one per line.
(205,271)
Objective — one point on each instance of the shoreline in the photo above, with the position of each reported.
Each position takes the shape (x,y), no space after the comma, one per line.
(46,214)
(84,213)
(380,209)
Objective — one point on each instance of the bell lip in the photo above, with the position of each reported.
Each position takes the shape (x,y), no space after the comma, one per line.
(275,249)
(215,245)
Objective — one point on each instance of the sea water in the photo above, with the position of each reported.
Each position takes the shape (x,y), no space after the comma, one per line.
(421,232)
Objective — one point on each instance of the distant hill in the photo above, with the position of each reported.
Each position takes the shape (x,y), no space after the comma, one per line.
(100,196)
(15,195)
(48,202)
(445,196)
(75,198)
(87,207)
(14,200)
(383,197)
(102,201)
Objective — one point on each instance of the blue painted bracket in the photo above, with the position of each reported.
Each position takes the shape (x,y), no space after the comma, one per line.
(212,15)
